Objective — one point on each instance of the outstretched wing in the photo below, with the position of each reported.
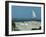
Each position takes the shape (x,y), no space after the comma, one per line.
(33,14)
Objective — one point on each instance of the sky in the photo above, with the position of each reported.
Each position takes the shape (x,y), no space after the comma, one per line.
(25,12)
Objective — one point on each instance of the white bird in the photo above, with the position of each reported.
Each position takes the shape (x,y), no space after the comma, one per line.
(33,14)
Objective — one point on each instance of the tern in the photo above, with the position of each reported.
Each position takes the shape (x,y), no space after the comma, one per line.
(33,15)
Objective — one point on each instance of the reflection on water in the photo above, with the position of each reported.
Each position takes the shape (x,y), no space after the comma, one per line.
(26,25)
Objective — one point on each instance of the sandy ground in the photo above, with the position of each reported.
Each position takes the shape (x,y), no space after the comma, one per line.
(27,25)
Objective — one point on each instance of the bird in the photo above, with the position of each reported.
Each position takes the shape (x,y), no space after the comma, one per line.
(33,15)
